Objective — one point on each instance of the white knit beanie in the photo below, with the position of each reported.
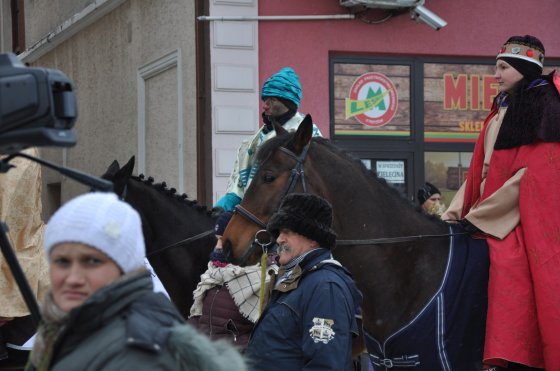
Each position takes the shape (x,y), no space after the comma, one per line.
(102,221)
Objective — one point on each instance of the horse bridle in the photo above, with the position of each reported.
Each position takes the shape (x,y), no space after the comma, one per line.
(296,174)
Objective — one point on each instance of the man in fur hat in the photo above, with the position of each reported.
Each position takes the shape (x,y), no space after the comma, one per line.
(310,317)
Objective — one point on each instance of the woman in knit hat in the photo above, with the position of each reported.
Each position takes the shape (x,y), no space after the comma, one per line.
(101,312)
(509,198)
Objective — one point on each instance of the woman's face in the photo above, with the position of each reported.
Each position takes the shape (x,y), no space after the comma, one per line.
(77,271)
(506,76)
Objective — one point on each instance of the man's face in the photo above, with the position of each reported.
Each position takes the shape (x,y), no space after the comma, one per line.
(292,245)
(272,107)
(432,203)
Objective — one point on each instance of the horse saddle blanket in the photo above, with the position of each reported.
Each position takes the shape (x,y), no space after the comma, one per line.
(448,333)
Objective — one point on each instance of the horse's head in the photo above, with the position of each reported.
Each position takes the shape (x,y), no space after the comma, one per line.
(280,171)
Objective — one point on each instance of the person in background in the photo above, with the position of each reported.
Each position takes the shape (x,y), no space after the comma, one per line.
(20,209)
(309,320)
(281,95)
(510,197)
(226,300)
(101,312)
(429,198)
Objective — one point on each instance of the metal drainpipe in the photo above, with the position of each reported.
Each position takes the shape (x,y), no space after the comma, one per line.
(277,17)
(203,108)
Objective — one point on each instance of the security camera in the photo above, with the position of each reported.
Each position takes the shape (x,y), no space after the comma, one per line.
(421,13)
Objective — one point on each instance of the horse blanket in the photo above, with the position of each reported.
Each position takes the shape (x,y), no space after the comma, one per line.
(448,333)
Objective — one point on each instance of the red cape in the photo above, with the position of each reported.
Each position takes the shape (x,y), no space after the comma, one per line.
(523,323)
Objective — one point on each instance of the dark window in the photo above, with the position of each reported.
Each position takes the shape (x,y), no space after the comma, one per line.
(18,26)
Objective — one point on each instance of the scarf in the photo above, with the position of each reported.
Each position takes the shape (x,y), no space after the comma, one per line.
(243,284)
(52,324)
(282,119)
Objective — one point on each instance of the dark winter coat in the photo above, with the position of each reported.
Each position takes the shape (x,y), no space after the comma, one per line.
(310,319)
(221,318)
(126,326)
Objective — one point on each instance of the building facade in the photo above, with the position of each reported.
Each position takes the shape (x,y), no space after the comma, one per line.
(134,68)
(430,90)
(176,83)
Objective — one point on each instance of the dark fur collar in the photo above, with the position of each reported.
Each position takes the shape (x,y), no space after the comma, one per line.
(532,114)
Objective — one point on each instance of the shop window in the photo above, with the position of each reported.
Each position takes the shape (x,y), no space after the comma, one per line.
(457,99)
(447,171)
(372,99)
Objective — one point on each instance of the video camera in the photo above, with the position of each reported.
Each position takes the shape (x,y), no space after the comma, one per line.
(37,107)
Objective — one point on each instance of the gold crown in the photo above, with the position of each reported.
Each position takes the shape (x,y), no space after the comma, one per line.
(523,51)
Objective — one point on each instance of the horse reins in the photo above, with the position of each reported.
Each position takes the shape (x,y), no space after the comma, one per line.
(297,173)
(182,242)
(388,240)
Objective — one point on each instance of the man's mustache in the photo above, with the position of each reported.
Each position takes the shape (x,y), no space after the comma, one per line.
(283,248)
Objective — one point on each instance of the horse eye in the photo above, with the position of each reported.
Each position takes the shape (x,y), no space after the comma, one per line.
(268,178)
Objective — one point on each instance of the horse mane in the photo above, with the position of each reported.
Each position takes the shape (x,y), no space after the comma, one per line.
(270,146)
(171,192)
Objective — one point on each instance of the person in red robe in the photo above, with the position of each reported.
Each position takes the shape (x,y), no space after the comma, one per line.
(511,198)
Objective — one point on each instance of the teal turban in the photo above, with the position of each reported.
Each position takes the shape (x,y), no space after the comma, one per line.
(283,84)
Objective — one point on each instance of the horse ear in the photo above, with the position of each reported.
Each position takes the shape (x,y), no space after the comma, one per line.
(127,169)
(303,134)
(112,169)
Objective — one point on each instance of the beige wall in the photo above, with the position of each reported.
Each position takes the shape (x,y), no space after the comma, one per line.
(104,61)
(42,16)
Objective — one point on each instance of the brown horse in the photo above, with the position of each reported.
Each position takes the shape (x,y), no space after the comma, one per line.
(401,278)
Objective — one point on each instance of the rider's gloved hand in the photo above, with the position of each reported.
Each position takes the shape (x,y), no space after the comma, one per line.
(469,227)
(217,211)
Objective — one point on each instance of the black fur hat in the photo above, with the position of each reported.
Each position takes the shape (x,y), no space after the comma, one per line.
(427,191)
(306,214)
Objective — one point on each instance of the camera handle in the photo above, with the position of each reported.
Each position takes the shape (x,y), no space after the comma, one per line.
(94,182)
(84,178)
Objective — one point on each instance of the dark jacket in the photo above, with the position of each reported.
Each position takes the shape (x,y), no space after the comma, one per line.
(126,326)
(221,318)
(309,320)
